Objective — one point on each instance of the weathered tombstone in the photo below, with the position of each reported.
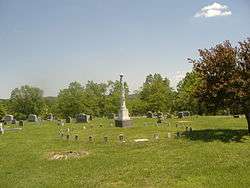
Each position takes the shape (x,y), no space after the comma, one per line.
(76,137)
(150,114)
(67,136)
(121,137)
(60,122)
(13,121)
(82,118)
(8,118)
(68,119)
(90,138)
(156,136)
(1,129)
(236,116)
(50,117)
(190,129)
(178,135)
(180,115)
(169,135)
(21,123)
(105,139)
(32,118)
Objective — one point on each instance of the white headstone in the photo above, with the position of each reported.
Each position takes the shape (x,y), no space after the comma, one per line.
(1,128)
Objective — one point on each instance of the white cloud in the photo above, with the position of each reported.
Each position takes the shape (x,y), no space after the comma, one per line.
(213,10)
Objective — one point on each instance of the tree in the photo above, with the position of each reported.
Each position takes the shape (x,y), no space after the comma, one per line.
(95,97)
(70,101)
(2,111)
(242,77)
(224,74)
(135,105)
(157,94)
(185,98)
(26,100)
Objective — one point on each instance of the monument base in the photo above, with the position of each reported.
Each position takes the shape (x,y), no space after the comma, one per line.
(123,123)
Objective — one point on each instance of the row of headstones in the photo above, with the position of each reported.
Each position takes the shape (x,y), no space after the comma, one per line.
(10,119)
(121,137)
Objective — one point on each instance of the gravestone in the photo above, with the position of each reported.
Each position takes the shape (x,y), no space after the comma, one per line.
(169,135)
(82,118)
(150,114)
(32,118)
(1,129)
(156,136)
(178,135)
(76,137)
(8,118)
(90,138)
(121,137)
(21,123)
(50,117)
(13,121)
(105,139)
(68,119)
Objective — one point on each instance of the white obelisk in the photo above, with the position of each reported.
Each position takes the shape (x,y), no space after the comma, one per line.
(123,119)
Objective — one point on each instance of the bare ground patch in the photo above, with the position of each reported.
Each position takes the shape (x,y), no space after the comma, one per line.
(63,155)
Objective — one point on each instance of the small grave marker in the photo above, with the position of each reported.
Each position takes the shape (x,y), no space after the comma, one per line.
(169,135)
(1,129)
(105,139)
(121,137)
(178,135)
(76,137)
(21,123)
(156,136)
(90,138)
(190,130)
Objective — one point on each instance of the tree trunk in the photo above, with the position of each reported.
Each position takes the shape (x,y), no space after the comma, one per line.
(248,120)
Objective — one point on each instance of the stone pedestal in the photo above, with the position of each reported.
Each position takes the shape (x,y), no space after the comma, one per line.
(123,123)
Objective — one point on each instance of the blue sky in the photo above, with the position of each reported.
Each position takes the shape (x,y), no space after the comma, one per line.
(50,43)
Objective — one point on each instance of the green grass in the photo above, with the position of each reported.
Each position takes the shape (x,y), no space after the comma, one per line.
(215,154)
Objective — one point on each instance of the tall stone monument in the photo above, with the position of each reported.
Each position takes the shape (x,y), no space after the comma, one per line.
(123,119)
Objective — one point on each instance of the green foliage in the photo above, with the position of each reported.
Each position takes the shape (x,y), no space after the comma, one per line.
(95,97)
(185,97)
(70,101)
(224,71)
(2,111)
(26,100)
(157,94)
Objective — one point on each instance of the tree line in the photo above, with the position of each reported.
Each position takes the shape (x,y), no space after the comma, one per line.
(218,84)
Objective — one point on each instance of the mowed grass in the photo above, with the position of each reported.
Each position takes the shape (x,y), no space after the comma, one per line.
(215,154)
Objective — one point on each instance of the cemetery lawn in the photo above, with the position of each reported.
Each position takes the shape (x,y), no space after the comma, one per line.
(215,154)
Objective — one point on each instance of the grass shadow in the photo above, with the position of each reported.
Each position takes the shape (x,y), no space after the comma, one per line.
(224,135)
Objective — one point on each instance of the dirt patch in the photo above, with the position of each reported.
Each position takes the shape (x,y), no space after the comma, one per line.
(63,155)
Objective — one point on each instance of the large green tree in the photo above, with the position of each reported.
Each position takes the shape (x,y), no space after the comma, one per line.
(185,98)
(95,98)
(70,101)
(26,100)
(157,94)
(225,77)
